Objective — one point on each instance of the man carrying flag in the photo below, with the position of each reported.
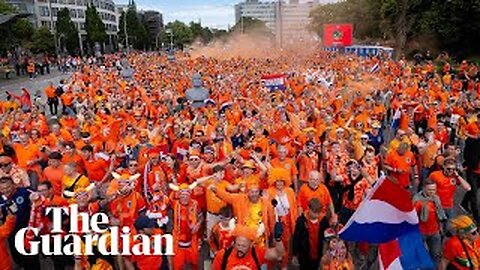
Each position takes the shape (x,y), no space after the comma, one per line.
(387,217)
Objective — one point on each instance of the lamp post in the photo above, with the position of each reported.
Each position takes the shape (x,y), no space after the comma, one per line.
(170,32)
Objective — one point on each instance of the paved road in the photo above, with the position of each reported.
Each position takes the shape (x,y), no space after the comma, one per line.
(38,83)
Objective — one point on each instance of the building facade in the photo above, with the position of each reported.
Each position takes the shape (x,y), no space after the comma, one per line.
(264,11)
(153,20)
(46,13)
(287,19)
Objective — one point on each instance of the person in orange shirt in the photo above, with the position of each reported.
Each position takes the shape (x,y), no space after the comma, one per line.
(308,161)
(462,250)
(447,181)
(145,226)
(28,158)
(98,168)
(315,189)
(187,220)
(69,154)
(221,233)
(400,163)
(251,210)
(308,238)
(67,102)
(154,173)
(287,163)
(213,203)
(244,254)
(54,172)
(52,99)
(286,206)
(5,230)
(128,203)
(431,216)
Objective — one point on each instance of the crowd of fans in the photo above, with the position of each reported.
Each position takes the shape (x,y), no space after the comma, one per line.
(256,176)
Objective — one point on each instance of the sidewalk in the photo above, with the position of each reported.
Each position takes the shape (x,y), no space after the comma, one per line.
(15,85)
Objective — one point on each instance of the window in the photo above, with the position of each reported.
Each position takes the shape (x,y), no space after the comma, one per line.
(73,13)
(54,12)
(82,26)
(44,12)
(81,13)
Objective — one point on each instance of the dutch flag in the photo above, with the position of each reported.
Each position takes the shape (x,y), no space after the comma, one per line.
(387,217)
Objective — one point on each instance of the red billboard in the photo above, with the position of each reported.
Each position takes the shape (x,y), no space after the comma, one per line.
(339,35)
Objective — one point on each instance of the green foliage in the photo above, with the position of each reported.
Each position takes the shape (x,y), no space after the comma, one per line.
(138,35)
(450,25)
(23,29)
(67,33)
(251,25)
(200,33)
(364,14)
(182,34)
(43,41)
(95,28)
(6,8)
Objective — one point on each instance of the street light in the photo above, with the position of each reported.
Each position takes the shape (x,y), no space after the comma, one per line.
(170,32)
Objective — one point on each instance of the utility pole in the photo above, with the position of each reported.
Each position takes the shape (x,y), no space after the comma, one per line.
(241,23)
(279,23)
(54,29)
(80,43)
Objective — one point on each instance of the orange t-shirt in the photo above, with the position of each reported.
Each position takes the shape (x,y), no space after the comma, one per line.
(54,176)
(454,252)
(472,129)
(446,187)
(5,230)
(305,194)
(25,154)
(307,164)
(50,92)
(96,169)
(430,226)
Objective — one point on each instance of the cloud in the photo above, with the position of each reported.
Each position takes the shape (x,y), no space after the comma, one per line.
(216,14)
(210,15)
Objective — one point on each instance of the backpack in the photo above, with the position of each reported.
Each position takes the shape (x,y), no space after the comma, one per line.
(59,91)
(229,250)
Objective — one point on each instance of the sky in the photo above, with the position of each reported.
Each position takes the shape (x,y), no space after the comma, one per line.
(212,13)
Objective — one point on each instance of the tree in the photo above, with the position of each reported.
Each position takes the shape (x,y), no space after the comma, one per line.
(96,31)
(6,8)
(251,25)
(23,30)
(138,35)
(43,41)
(182,34)
(67,33)
(202,34)
(364,14)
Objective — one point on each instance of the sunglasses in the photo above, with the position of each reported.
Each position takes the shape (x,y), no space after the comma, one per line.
(132,164)
(193,159)
(4,165)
